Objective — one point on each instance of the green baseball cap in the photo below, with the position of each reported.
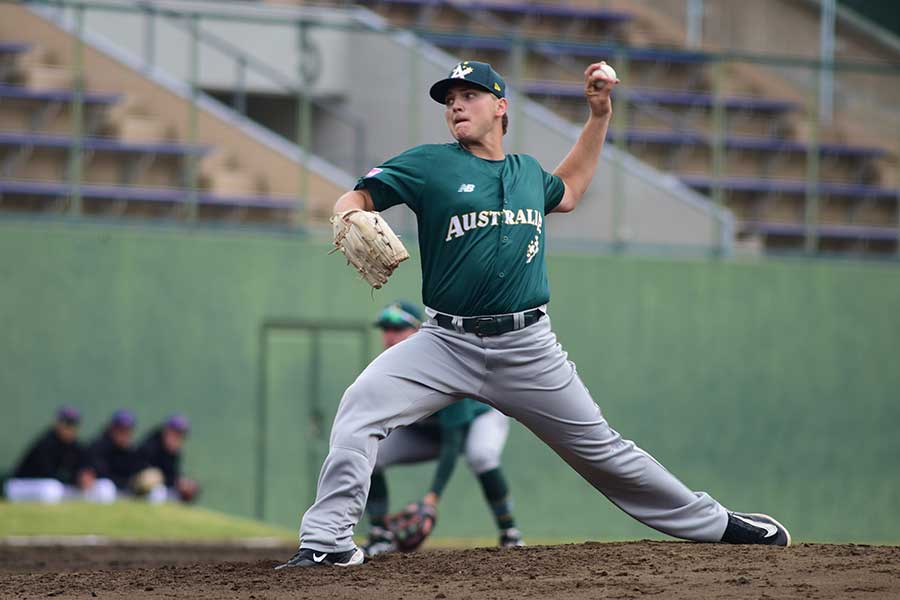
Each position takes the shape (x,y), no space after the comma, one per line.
(399,315)
(477,73)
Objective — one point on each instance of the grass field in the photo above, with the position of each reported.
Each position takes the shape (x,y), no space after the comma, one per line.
(131,520)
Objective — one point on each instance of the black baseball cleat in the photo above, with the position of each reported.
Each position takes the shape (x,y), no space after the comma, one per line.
(307,557)
(381,541)
(511,538)
(755,528)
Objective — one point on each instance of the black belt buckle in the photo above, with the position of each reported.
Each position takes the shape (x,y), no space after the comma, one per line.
(485,326)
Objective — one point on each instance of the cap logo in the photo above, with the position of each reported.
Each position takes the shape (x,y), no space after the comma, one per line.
(460,71)
(497,86)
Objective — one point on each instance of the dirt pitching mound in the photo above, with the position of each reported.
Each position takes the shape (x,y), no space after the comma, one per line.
(593,570)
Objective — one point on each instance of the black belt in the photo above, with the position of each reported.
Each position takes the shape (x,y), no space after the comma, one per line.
(489,326)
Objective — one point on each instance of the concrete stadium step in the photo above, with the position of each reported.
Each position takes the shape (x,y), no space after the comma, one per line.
(146,114)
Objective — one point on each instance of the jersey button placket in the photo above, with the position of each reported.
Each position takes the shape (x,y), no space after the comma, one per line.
(504,228)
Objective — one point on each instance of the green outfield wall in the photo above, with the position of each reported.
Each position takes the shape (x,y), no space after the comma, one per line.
(772,385)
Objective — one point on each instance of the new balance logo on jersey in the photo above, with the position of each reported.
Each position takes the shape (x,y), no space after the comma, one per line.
(466,187)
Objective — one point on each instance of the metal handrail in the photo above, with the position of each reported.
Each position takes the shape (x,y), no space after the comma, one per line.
(245,61)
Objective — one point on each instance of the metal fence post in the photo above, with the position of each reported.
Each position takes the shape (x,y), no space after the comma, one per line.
(149,36)
(518,71)
(414,103)
(193,175)
(811,206)
(826,57)
(621,118)
(896,76)
(240,93)
(304,124)
(76,150)
(694,23)
(719,133)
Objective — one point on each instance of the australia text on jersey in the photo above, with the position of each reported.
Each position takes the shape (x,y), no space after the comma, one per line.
(460,224)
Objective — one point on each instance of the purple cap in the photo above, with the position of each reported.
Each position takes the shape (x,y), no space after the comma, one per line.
(178,423)
(68,414)
(123,418)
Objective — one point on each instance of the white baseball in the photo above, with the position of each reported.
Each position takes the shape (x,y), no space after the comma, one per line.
(604,71)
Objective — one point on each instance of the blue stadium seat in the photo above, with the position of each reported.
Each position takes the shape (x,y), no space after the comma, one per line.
(543,9)
(669,97)
(838,232)
(14,138)
(16,92)
(140,194)
(790,187)
(551,10)
(476,42)
(761,144)
(13,47)
(666,55)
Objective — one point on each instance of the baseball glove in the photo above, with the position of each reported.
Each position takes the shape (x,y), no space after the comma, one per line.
(145,480)
(369,244)
(412,525)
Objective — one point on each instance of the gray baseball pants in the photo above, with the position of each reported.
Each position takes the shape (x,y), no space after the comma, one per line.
(524,374)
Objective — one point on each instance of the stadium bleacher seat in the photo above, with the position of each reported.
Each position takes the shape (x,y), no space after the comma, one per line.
(15,92)
(139,194)
(550,10)
(16,138)
(543,9)
(581,50)
(665,97)
(13,47)
(750,143)
(789,187)
(838,232)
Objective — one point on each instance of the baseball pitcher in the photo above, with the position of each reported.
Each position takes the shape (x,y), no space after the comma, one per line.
(480,213)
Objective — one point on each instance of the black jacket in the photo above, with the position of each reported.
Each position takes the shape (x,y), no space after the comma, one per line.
(113,462)
(154,454)
(50,457)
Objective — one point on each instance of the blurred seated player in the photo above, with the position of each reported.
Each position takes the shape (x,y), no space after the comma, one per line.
(465,426)
(56,467)
(114,457)
(161,449)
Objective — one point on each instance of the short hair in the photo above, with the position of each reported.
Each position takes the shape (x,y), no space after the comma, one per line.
(505,122)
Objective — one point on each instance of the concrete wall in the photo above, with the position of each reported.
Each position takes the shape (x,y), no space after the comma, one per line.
(771,385)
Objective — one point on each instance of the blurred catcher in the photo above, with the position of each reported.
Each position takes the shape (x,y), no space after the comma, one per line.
(161,452)
(466,426)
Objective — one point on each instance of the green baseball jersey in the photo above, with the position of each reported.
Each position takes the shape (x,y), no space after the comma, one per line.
(460,413)
(481,225)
